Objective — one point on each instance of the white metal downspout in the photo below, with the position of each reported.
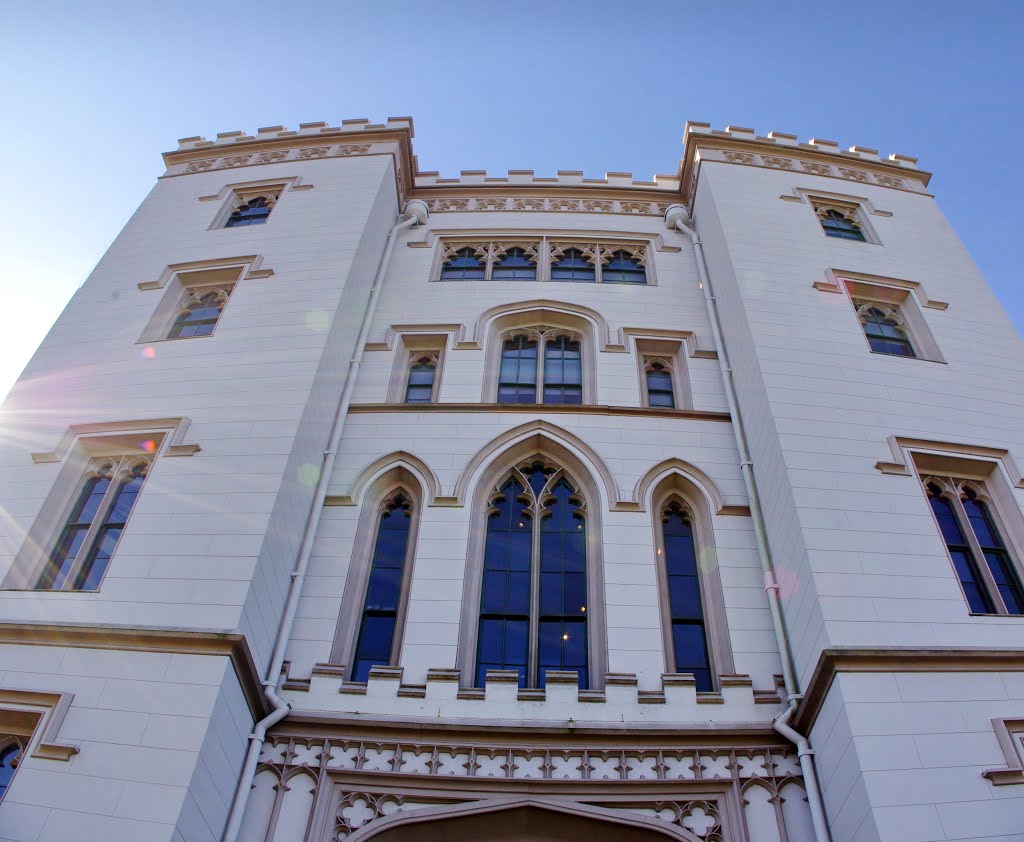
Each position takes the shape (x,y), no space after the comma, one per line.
(676,217)
(416,213)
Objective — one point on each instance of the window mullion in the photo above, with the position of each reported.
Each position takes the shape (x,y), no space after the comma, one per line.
(92,533)
(598,274)
(538,392)
(398,636)
(533,668)
(489,267)
(981,563)
(543,260)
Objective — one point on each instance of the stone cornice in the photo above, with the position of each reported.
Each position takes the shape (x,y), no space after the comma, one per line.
(831,662)
(147,639)
(534,409)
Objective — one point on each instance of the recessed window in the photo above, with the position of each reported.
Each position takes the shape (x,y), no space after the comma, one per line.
(533,604)
(840,220)
(10,756)
(253,211)
(571,265)
(544,259)
(660,391)
(686,609)
(541,365)
(987,572)
(377,638)
(421,380)
(884,328)
(94,526)
(199,312)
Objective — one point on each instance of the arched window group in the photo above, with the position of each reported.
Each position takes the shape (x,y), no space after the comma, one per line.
(541,365)
(542,259)
(530,606)
(976,547)
(92,530)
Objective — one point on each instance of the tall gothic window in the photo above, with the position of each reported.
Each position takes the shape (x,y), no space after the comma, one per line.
(95,524)
(199,313)
(533,603)
(541,365)
(419,387)
(983,564)
(884,328)
(685,603)
(377,638)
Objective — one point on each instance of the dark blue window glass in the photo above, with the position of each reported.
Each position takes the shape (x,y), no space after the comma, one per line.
(572,266)
(964,562)
(623,268)
(383,590)
(9,758)
(62,559)
(464,265)
(659,387)
(91,574)
(200,318)
(563,371)
(504,631)
(420,387)
(514,265)
(836,225)
(253,212)
(517,378)
(689,636)
(885,336)
(996,556)
(563,586)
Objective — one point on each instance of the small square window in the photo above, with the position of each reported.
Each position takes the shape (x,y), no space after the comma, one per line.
(842,220)
(890,319)
(251,207)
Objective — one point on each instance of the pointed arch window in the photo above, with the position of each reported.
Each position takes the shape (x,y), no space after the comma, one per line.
(10,757)
(660,391)
(514,264)
(465,264)
(981,558)
(533,603)
(199,313)
(884,328)
(421,380)
(572,265)
(93,529)
(623,268)
(377,641)
(255,211)
(541,365)
(678,555)
(839,220)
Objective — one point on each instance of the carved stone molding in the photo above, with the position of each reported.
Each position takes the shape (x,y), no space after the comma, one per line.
(552,204)
(792,164)
(302,153)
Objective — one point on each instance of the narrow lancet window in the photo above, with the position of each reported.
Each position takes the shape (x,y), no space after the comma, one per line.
(685,604)
(659,386)
(253,212)
(517,379)
(420,385)
(385,589)
(964,562)
(883,327)
(563,371)
(1004,576)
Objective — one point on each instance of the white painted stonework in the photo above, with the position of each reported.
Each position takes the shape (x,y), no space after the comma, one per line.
(132,702)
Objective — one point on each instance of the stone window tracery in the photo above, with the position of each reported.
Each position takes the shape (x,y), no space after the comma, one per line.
(252,206)
(839,220)
(545,259)
(884,328)
(658,382)
(541,365)
(422,378)
(94,526)
(533,602)
(985,568)
(378,636)
(199,312)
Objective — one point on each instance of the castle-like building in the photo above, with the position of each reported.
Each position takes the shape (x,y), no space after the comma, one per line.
(346,501)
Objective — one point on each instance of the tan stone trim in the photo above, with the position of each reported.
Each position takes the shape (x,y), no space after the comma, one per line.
(585,202)
(30,707)
(831,662)
(139,639)
(535,409)
(900,445)
(177,446)
(1010,734)
(835,277)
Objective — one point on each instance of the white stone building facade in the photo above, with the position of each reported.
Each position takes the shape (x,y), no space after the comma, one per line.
(346,501)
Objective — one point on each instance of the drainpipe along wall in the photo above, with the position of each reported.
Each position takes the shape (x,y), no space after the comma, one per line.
(676,217)
(415,213)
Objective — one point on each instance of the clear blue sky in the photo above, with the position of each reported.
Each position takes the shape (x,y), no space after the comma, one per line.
(94,92)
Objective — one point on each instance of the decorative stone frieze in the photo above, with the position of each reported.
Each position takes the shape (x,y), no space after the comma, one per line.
(547,204)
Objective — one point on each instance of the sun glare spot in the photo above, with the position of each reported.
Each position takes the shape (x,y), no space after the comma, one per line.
(149,352)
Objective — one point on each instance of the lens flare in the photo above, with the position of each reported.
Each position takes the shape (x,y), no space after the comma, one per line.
(149,446)
(149,352)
